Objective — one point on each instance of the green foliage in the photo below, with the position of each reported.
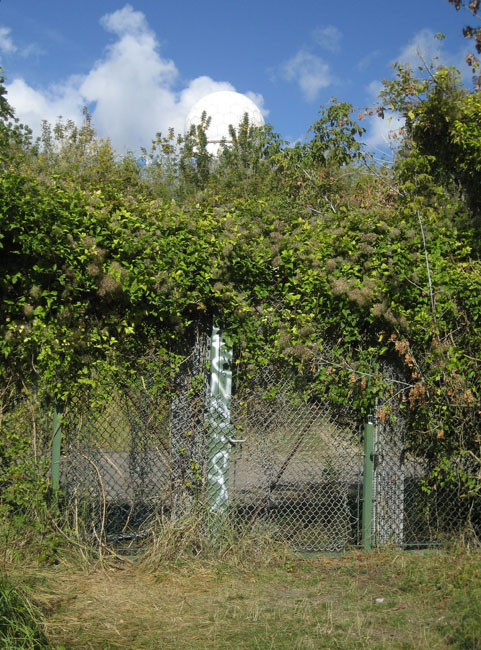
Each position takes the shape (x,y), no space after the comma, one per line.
(179,167)
(443,129)
(247,167)
(334,141)
(25,495)
(14,136)
(436,174)
(294,250)
(76,155)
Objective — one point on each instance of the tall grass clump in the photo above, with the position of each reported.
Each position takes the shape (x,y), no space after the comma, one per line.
(20,621)
(466,602)
(219,538)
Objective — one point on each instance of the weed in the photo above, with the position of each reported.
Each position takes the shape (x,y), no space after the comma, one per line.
(466,601)
(20,620)
(221,539)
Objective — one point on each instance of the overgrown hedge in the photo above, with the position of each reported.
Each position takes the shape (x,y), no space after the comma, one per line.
(288,248)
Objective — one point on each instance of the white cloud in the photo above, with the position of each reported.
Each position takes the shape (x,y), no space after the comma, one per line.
(32,49)
(309,71)
(6,44)
(132,91)
(366,61)
(374,88)
(125,21)
(33,106)
(426,49)
(423,47)
(328,38)
(258,100)
(381,133)
(131,87)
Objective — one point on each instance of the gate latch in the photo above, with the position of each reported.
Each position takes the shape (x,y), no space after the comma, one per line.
(234,442)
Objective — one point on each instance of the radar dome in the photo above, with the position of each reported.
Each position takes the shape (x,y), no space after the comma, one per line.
(224,108)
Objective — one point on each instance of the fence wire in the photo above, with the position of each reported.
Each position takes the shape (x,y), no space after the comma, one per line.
(274,456)
(271,453)
(116,463)
(413,506)
(298,473)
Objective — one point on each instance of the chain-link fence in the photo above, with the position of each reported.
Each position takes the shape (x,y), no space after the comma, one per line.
(298,469)
(116,459)
(268,451)
(413,506)
(181,435)
(177,440)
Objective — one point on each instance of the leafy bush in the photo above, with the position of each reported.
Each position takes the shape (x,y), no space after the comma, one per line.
(290,249)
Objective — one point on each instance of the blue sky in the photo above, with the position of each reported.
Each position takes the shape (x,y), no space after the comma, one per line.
(139,67)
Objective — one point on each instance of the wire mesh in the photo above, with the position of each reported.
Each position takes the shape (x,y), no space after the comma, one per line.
(274,454)
(411,509)
(388,483)
(298,473)
(414,505)
(134,448)
(116,461)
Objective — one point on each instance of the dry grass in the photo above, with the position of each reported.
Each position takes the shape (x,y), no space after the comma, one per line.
(223,539)
(429,600)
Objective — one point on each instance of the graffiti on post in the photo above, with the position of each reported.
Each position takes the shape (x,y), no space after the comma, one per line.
(219,423)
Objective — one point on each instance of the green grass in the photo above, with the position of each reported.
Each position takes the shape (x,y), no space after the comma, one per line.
(20,622)
(390,599)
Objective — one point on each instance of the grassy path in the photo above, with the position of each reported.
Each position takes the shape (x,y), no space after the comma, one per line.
(373,601)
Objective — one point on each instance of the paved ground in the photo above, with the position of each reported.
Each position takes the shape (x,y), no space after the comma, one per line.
(119,476)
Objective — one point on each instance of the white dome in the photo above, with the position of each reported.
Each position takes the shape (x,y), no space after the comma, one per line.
(224,108)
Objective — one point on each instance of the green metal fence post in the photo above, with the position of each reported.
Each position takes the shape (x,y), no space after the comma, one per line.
(367,484)
(56,445)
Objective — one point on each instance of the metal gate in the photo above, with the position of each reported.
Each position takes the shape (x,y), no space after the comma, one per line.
(298,470)
(174,441)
